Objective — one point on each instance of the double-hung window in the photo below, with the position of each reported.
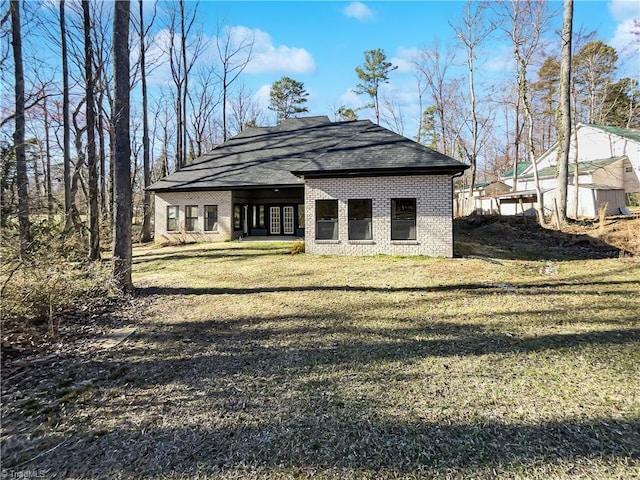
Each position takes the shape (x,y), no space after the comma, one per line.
(360,219)
(211,218)
(326,219)
(191,218)
(172,218)
(403,219)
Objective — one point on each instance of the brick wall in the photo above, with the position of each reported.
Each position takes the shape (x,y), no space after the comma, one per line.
(181,199)
(434,231)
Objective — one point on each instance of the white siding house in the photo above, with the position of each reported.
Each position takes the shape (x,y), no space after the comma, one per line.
(608,166)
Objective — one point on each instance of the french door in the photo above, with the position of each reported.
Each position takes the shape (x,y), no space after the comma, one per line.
(282,220)
(274,220)
(288,220)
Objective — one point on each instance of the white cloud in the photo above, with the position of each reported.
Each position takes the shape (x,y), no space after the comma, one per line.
(624,9)
(501,60)
(405,58)
(625,40)
(352,100)
(359,11)
(269,58)
(262,96)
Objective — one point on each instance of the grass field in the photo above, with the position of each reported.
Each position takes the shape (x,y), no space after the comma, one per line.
(248,362)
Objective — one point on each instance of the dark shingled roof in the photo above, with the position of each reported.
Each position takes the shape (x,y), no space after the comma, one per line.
(313,146)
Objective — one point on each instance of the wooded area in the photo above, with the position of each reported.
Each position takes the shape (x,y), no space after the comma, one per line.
(59,132)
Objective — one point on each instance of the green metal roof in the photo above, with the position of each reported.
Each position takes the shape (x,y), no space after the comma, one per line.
(629,133)
(584,168)
(522,166)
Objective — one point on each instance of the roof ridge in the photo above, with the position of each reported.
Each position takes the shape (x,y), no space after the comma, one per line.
(346,139)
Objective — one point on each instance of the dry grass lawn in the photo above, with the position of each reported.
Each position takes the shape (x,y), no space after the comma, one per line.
(248,362)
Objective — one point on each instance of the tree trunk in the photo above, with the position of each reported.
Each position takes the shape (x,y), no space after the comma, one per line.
(145,235)
(66,126)
(224,104)
(183,44)
(576,174)
(523,90)
(19,132)
(92,159)
(564,142)
(47,142)
(103,161)
(122,166)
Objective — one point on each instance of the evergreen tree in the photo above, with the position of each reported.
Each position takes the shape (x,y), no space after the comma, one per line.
(594,67)
(428,135)
(372,73)
(621,102)
(287,98)
(346,114)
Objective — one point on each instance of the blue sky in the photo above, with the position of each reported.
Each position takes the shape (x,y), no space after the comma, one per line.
(321,42)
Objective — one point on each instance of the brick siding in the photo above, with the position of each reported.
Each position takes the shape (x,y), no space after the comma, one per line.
(434,229)
(182,199)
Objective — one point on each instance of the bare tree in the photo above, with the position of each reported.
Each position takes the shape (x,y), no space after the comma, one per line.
(391,113)
(92,160)
(235,55)
(19,130)
(564,142)
(525,24)
(182,38)
(122,165)
(433,65)
(245,110)
(204,99)
(66,126)
(103,23)
(145,235)
(47,141)
(471,33)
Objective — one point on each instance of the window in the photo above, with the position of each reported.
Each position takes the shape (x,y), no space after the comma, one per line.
(403,219)
(190,217)
(237,217)
(360,219)
(326,219)
(257,218)
(172,218)
(301,219)
(211,218)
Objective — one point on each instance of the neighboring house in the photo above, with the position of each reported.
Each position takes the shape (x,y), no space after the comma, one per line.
(507,177)
(483,197)
(348,188)
(608,170)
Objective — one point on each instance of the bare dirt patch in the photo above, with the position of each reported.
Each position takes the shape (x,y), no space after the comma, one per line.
(523,238)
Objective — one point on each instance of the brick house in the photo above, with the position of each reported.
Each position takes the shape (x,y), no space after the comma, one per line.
(348,188)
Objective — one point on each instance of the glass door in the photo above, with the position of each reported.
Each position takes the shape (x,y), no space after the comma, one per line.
(287,216)
(274,220)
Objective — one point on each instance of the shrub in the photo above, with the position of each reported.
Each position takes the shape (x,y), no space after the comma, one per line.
(297,247)
(54,275)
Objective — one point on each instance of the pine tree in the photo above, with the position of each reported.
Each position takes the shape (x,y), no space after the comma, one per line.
(287,97)
(372,74)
